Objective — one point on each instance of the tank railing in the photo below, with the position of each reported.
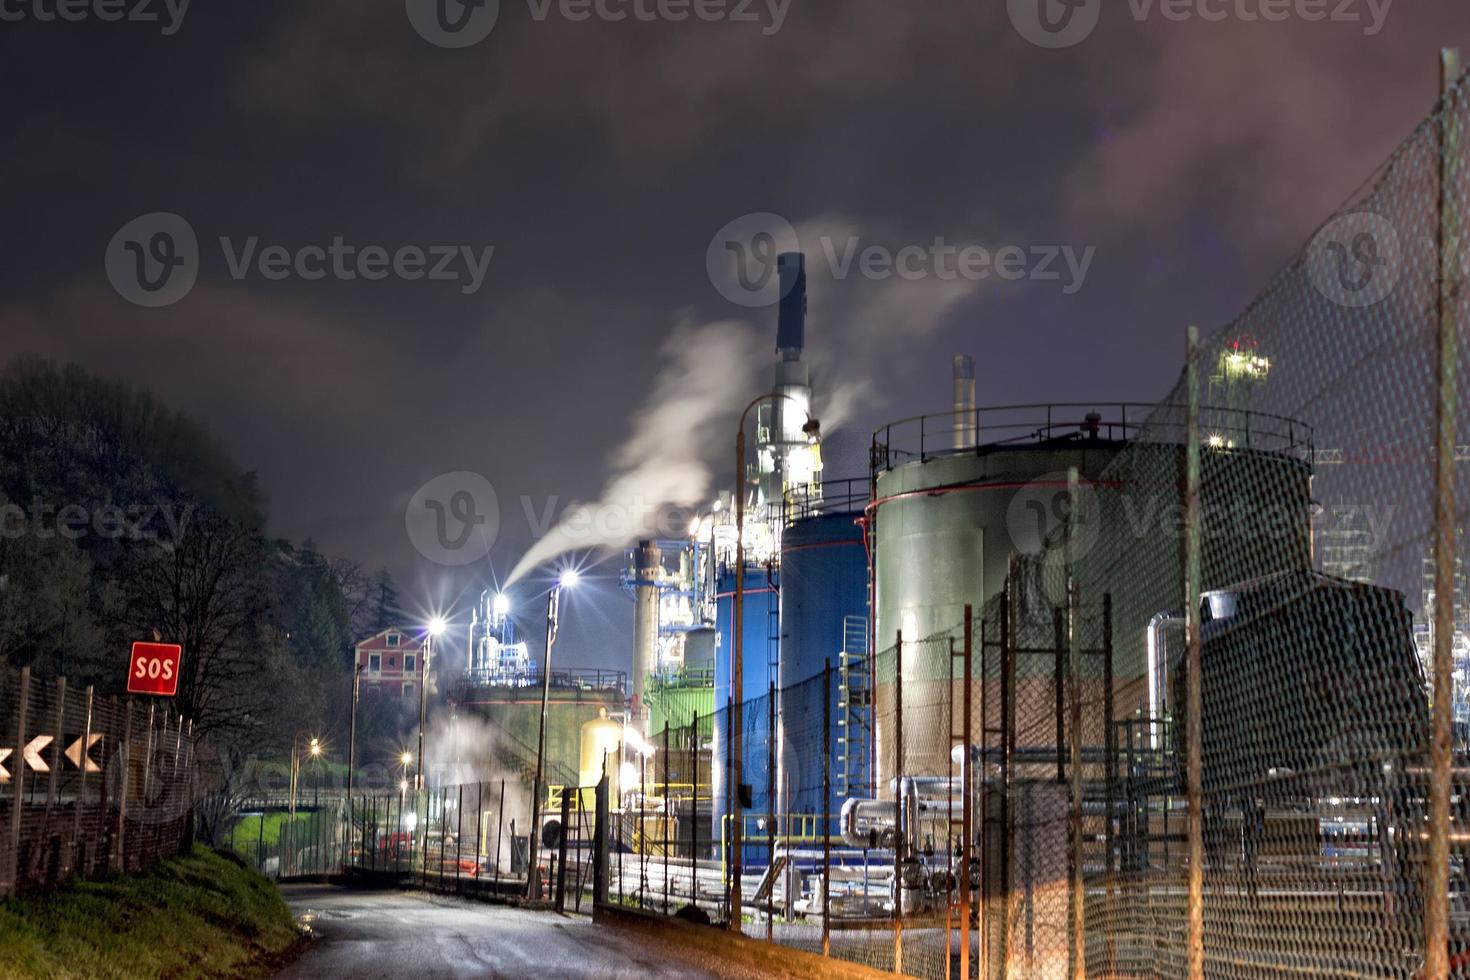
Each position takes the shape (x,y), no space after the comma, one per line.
(567,679)
(836,497)
(926,437)
(683,677)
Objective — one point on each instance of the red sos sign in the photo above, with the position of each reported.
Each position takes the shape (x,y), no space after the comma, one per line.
(154,669)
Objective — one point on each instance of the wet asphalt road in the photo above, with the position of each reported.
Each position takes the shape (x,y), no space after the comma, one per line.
(416,936)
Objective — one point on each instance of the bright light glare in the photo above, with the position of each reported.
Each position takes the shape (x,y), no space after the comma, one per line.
(569,578)
(316,746)
(628,776)
(437,626)
(410,821)
(406,758)
(637,742)
(501,605)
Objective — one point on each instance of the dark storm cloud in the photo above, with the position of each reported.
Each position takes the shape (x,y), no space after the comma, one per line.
(599,159)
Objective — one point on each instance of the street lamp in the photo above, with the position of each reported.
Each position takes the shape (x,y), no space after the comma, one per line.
(315,747)
(568,579)
(352,756)
(812,430)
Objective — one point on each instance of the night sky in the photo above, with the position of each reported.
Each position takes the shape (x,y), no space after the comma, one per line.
(600,159)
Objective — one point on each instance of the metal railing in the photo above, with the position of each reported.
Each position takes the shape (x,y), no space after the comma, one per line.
(926,437)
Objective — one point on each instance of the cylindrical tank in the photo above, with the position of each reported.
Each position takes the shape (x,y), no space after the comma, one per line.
(759,656)
(946,524)
(699,650)
(824,571)
(601,740)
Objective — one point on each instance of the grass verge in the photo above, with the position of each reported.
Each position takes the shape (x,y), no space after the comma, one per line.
(199,915)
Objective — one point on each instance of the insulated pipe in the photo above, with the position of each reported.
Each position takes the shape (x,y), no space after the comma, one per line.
(1158,672)
(866,823)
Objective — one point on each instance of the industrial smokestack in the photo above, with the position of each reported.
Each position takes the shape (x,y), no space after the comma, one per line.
(965,421)
(647,565)
(791,332)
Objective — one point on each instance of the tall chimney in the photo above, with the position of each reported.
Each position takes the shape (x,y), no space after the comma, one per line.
(647,564)
(965,420)
(791,332)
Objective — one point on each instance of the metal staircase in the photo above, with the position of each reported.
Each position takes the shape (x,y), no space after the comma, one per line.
(854,710)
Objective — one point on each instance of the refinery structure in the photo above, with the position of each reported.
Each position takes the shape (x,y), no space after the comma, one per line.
(861,696)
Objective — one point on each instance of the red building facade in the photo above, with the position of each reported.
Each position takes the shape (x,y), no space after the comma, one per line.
(392,664)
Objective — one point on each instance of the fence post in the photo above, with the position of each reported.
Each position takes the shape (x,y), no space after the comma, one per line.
(1074,710)
(771,813)
(1436,912)
(148,756)
(826,807)
(499,830)
(727,844)
(561,851)
(124,754)
(1193,697)
(11,872)
(57,742)
(694,813)
(667,799)
(967,792)
(1008,630)
(76,827)
(599,840)
(899,844)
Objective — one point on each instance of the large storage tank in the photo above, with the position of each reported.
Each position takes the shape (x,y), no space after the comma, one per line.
(947,517)
(823,601)
(759,655)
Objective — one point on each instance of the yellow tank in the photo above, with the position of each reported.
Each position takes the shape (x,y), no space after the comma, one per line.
(601,739)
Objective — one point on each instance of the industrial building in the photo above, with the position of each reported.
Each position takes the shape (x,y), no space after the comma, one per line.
(911,634)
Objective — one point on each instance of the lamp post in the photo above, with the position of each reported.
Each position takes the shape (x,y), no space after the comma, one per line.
(737,649)
(567,579)
(315,747)
(437,627)
(352,753)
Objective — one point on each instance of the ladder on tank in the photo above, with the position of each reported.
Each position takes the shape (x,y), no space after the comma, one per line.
(855,709)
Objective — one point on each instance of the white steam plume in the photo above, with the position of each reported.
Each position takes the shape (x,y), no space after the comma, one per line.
(707,371)
(710,371)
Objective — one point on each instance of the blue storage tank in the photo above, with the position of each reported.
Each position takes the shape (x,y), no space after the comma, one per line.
(760,654)
(824,601)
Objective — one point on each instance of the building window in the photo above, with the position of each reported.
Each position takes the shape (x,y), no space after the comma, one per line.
(392,661)
(407,690)
(408,663)
(375,663)
(393,639)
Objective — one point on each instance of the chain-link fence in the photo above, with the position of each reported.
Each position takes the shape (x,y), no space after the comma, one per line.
(1214,723)
(88,785)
